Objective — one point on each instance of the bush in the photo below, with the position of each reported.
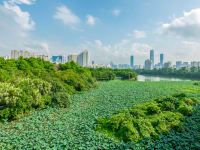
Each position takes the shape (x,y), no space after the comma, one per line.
(185,109)
(32,83)
(9,94)
(111,74)
(152,108)
(127,132)
(35,92)
(148,120)
(197,83)
(61,99)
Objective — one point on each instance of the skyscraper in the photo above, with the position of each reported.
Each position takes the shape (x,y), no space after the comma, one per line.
(148,64)
(161,60)
(83,59)
(72,57)
(179,64)
(132,61)
(152,57)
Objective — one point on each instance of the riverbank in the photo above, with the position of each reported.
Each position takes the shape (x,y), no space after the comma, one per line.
(163,73)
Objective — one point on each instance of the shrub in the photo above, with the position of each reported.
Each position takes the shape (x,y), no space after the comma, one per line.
(127,132)
(152,108)
(10,97)
(149,120)
(33,92)
(185,109)
(9,94)
(39,84)
(61,99)
(111,74)
(137,113)
(197,83)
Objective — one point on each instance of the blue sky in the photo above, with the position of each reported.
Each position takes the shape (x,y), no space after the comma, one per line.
(111,30)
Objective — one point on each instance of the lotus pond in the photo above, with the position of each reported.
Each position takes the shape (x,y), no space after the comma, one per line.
(74,128)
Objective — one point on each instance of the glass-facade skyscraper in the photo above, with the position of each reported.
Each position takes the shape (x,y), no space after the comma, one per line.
(161,60)
(152,57)
(132,61)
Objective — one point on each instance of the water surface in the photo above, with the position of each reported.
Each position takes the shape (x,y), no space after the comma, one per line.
(144,78)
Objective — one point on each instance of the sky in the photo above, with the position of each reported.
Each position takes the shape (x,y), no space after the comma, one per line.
(111,30)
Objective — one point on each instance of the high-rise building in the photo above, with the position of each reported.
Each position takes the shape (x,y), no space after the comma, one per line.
(168,65)
(123,66)
(93,62)
(185,64)
(44,57)
(72,57)
(161,60)
(83,59)
(148,64)
(132,61)
(178,64)
(152,57)
(57,59)
(15,54)
(195,64)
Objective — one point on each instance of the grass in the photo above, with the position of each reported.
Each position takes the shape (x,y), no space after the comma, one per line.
(75,127)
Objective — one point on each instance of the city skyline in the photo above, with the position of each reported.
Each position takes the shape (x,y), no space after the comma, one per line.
(112,31)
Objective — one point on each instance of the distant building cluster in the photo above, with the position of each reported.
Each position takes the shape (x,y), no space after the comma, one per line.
(149,63)
(82,59)
(181,64)
(15,54)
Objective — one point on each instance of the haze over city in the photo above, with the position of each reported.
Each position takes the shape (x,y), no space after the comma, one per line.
(110,30)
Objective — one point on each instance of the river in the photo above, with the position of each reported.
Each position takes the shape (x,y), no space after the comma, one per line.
(144,78)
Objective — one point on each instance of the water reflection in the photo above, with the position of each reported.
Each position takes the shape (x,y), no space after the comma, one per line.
(143,78)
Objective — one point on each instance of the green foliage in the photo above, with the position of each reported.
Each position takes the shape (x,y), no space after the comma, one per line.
(125,74)
(29,84)
(197,83)
(61,99)
(187,73)
(110,74)
(56,128)
(9,94)
(103,74)
(185,139)
(149,119)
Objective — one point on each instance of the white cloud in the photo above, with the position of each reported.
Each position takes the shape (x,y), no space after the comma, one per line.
(15,26)
(139,34)
(37,47)
(27,2)
(186,26)
(21,17)
(98,42)
(116,12)
(118,52)
(64,14)
(91,20)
